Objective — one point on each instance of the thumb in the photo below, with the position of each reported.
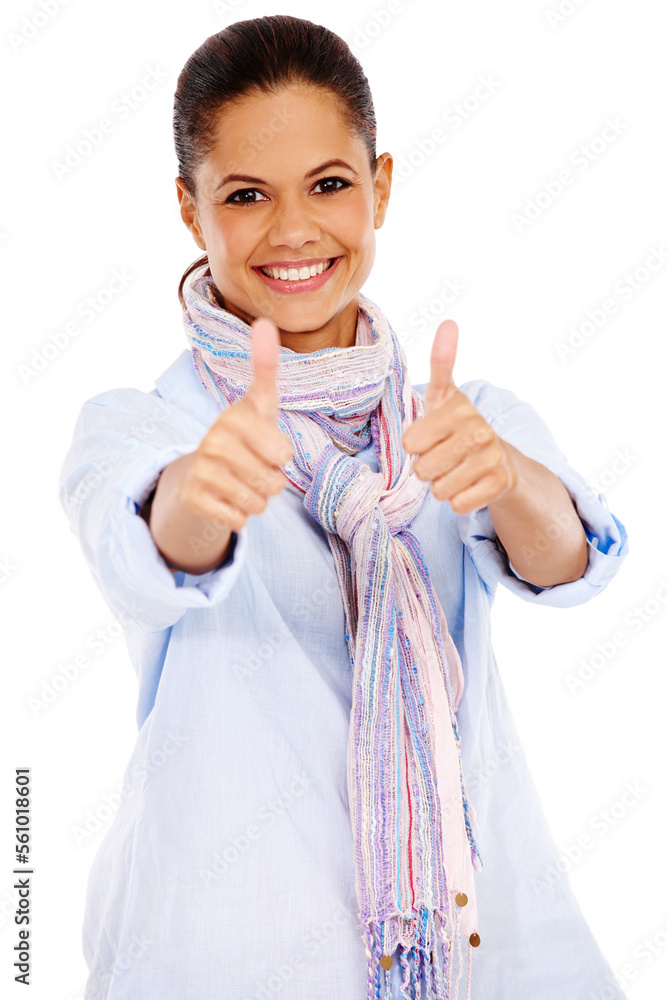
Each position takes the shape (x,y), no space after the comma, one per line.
(443,356)
(265,351)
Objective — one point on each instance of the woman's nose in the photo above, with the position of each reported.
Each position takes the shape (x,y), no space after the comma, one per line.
(293,223)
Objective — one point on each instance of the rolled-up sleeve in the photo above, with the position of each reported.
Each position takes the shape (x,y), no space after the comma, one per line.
(606,537)
(122,441)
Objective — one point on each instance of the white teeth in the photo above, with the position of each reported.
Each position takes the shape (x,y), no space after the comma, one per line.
(294,273)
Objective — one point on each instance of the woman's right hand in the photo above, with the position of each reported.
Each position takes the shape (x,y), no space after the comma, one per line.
(203,496)
(236,467)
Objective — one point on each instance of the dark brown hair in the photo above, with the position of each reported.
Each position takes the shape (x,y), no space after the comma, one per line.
(263,55)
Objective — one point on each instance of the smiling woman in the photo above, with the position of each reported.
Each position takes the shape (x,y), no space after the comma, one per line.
(292,220)
(303,550)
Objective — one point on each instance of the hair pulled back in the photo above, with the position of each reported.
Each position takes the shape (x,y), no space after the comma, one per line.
(263,55)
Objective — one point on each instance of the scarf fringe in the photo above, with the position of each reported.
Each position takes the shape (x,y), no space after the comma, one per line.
(427,965)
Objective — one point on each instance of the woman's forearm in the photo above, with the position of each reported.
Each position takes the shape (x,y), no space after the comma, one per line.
(185,542)
(538,525)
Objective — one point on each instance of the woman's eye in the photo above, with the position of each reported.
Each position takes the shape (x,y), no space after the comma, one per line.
(332,190)
(234,200)
(232,197)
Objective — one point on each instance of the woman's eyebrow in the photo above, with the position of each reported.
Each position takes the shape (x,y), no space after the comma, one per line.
(311,173)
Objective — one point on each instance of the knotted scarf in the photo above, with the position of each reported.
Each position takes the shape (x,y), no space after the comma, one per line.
(412,824)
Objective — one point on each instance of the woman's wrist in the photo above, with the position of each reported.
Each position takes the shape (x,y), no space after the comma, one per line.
(186,541)
(538,525)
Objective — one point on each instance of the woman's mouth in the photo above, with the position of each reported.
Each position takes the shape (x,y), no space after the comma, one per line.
(292,279)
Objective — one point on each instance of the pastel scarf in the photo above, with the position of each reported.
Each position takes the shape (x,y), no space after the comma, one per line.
(414,847)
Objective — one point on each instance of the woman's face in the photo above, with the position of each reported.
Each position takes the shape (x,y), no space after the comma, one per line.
(286,208)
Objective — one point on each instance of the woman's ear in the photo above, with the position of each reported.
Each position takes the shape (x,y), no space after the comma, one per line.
(384,167)
(189,213)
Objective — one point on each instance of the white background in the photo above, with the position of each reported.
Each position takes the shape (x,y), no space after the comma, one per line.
(453,216)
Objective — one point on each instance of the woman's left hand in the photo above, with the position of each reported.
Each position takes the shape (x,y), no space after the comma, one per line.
(466,461)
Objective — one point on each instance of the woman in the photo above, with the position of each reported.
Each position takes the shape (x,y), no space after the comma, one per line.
(327,797)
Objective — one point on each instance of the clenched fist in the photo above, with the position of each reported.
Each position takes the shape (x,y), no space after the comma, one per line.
(459,452)
(203,496)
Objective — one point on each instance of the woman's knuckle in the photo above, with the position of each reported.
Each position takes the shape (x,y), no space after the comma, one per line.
(483,434)
(189,493)
(260,480)
(237,519)
(250,501)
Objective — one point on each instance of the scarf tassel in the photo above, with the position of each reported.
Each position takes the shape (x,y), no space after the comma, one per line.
(426,967)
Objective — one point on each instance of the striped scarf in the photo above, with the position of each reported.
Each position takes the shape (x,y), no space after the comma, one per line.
(414,847)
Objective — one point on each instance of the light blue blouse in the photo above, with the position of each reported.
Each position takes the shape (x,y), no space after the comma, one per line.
(227,873)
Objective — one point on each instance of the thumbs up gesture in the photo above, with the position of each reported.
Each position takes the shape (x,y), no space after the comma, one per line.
(466,461)
(205,495)
(236,467)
